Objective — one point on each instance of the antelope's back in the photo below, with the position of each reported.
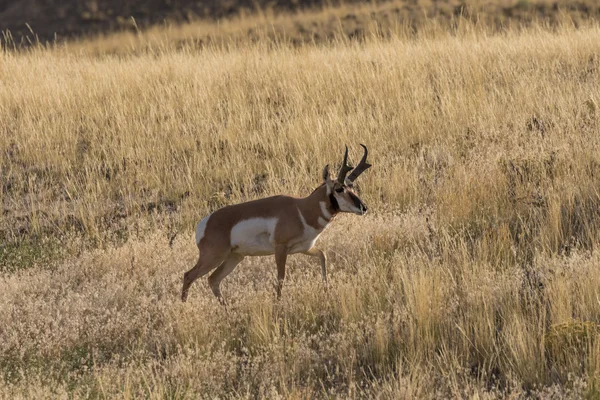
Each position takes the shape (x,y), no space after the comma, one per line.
(237,222)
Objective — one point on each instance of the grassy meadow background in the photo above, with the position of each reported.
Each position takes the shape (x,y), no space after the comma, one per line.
(474,275)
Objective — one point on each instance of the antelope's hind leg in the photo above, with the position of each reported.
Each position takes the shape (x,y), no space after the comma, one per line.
(206,262)
(214,280)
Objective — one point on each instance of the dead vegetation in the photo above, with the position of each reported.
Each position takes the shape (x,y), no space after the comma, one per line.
(475,275)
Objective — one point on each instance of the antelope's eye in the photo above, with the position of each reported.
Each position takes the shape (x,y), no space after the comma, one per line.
(339,190)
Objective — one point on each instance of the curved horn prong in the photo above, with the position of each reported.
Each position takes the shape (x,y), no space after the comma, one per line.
(344,169)
(360,168)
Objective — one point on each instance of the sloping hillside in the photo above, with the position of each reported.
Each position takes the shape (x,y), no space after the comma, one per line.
(50,19)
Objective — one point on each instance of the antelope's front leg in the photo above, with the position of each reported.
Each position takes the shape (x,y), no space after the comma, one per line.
(280,259)
(318,253)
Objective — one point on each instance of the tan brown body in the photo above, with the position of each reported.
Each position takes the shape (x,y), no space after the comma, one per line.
(278,225)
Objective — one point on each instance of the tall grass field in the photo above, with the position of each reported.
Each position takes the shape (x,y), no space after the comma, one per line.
(475,274)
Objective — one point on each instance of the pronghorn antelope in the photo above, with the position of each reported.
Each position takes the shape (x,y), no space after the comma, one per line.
(279,225)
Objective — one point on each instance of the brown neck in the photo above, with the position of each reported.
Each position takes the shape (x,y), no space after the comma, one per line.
(320,195)
(311,209)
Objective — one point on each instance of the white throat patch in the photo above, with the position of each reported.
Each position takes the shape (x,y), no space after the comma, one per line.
(308,238)
(326,214)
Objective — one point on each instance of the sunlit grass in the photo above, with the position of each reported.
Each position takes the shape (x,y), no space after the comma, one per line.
(474,275)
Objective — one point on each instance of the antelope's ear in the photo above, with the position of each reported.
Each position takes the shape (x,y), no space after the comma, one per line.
(326,176)
(329,183)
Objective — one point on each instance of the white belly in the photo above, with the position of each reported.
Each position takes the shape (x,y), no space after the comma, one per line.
(254,237)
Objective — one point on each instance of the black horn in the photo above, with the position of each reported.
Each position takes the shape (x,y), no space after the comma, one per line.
(360,168)
(344,169)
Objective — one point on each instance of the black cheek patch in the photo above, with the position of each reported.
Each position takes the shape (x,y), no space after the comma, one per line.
(334,203)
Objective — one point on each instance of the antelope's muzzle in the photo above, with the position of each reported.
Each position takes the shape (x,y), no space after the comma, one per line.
(359,204)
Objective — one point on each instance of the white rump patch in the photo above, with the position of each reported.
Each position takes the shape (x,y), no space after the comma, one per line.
(254,237)
(200,229)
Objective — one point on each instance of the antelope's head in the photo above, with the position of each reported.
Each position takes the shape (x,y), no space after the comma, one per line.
(340,191)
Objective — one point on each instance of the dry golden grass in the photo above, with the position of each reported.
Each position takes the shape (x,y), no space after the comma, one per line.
(476,274)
